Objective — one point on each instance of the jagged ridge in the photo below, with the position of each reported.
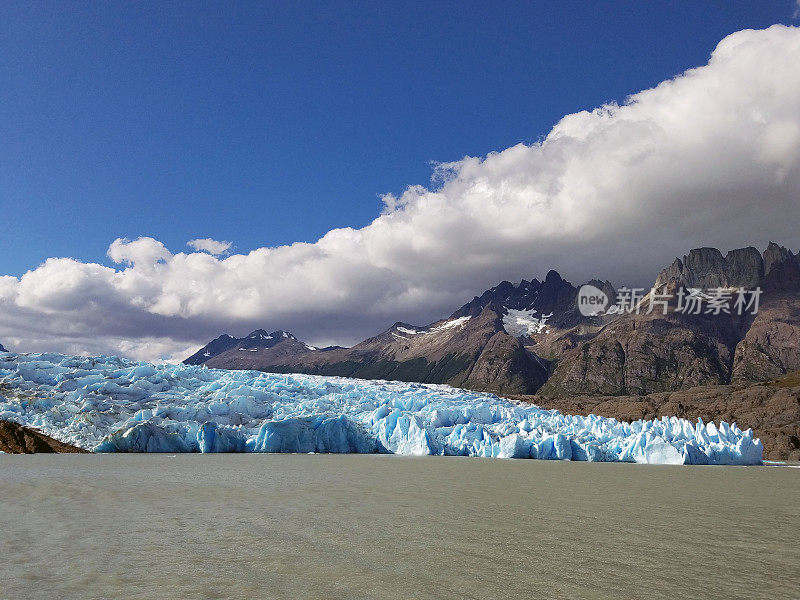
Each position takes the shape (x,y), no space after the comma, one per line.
(518,338)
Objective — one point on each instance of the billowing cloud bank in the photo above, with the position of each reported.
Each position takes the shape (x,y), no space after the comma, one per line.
(710,157)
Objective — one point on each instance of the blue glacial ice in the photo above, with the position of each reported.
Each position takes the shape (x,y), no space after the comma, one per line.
(109,404)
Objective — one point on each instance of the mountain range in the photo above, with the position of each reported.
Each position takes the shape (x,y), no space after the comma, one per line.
(531,337)
(497,342)
(531,340)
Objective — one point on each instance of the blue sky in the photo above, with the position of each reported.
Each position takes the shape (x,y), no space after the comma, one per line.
(269,124)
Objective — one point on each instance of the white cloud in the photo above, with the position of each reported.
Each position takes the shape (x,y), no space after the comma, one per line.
(711,157)
(211,246)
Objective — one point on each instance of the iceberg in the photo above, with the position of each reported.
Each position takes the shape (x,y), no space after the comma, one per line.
(109,404)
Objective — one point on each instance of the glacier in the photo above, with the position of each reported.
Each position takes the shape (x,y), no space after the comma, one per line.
(110,404)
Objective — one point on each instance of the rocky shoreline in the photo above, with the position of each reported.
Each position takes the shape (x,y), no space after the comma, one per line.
(18,439)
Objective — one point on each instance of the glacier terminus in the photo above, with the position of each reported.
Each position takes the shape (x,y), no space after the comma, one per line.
(109,404)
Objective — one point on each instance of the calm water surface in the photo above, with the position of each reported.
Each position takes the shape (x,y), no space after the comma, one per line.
(326,526)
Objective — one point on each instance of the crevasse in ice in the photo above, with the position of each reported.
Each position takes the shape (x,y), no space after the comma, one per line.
(109,404)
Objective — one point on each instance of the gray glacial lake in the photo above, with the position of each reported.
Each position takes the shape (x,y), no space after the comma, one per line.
(333,526)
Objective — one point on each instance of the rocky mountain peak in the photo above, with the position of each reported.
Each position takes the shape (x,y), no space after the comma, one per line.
(271,338)
(775,255)
(707,268)
(254,340)
(606,286)
(782,269)
(554,294)
(2,349)
(553,278)
(213,348)
(744,267)
(258,334)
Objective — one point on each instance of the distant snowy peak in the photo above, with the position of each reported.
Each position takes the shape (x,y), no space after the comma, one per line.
(268,340)
(253,342)
(259,334)
(554,294)
(213,348)
(534,307)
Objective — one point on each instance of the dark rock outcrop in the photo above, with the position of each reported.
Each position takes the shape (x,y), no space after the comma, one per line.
(770,347)
(706,268)
(776,255)
(639,354)
(646,353)
(18,439)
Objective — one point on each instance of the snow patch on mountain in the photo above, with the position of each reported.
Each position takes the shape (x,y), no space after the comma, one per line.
(408,331)
(523,322)
(451,324)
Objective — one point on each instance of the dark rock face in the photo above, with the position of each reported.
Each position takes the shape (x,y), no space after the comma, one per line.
(642,354)
(776,255)
(17,439)
(504,366)
(771,346)
(2,349)
(706,268)
(784,272)
(639,356)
